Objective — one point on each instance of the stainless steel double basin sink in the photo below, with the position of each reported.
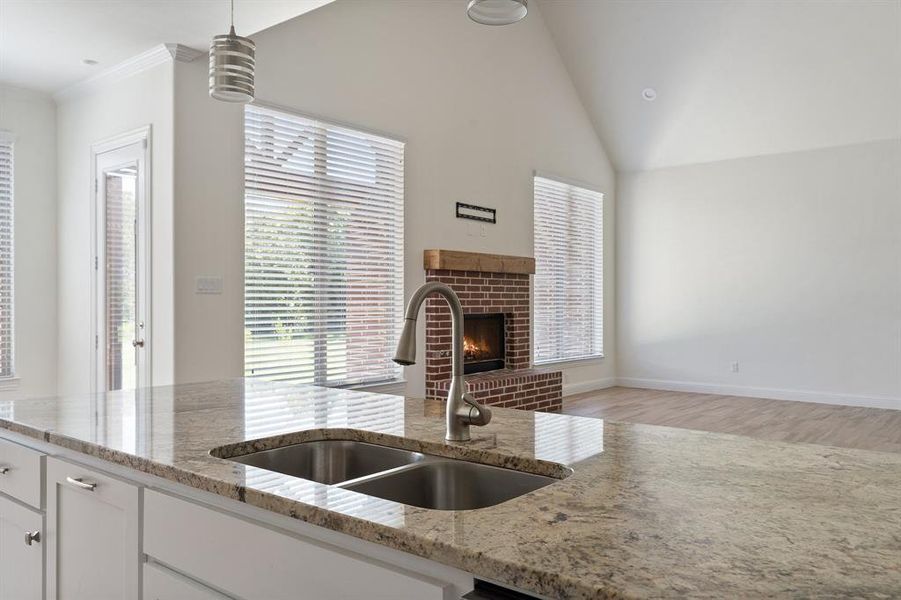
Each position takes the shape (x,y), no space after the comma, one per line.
(404,476)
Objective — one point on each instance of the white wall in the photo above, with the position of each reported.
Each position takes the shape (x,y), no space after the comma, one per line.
(788,264)
(102,111)
(479,107)
(31,117)
(209,228)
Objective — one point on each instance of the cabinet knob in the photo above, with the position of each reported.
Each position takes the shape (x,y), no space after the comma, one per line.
(31,537)
(4,470)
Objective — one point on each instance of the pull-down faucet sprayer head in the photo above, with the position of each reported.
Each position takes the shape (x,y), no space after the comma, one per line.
(406,345)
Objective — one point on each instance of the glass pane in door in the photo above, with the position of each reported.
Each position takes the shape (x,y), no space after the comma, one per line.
(121,274)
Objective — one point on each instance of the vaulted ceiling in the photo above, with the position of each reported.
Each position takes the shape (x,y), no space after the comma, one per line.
(733,78)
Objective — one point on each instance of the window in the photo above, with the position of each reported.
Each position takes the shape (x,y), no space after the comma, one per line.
(569,272)
(324,247)
(7,363)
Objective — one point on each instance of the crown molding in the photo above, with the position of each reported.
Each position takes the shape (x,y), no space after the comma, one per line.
(157,55)
(183,53)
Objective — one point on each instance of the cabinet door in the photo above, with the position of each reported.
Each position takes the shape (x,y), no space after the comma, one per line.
(21,552)
(92,535)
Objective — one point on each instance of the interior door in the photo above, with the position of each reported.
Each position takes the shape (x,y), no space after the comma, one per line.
(121,263)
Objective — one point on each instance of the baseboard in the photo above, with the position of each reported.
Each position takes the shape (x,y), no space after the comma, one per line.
(760,392)
(588,386)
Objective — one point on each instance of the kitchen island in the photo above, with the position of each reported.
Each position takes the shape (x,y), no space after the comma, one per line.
(646,511)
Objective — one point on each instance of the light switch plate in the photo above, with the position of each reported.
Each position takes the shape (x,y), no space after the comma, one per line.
(207,284)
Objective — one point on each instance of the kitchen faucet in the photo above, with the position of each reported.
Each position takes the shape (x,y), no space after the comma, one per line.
(462,409)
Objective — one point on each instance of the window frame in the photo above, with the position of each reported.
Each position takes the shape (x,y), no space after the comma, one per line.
(600,284)
(11,381)
(320,172)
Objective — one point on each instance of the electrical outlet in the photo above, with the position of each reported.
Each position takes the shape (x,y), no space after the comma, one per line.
(735,367)
(483,231)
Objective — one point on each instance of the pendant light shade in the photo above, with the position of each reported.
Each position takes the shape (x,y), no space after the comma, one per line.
(231,66)
(497,12)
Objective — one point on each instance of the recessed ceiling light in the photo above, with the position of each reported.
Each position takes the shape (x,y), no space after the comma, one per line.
(88,61)
(649,94)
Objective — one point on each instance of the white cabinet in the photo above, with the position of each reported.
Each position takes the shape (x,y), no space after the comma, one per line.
(92,538)
(21,552)
(108,537)
(161,583)
(248,560)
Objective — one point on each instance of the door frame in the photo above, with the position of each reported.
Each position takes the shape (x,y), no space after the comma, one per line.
(135,136)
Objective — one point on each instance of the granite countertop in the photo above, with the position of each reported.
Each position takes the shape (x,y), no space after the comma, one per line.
(647,512)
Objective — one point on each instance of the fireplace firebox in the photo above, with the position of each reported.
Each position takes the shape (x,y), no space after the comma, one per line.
(484,341)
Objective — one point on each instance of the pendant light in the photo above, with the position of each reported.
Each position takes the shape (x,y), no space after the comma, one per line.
(231,65)
(497,12)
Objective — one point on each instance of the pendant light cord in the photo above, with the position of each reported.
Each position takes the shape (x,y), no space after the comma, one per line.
(232,13)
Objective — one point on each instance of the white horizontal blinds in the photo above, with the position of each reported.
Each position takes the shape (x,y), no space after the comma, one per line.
(7,365)
(324,231)
(120,187)
(568,284)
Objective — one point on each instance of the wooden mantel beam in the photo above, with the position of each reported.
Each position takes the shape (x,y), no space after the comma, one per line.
(458,260)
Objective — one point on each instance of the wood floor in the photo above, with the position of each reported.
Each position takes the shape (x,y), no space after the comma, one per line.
(843,426)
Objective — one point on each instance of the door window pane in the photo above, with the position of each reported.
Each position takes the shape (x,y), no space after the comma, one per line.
(120,187)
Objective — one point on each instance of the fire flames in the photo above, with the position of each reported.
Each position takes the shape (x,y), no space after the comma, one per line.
(472,351)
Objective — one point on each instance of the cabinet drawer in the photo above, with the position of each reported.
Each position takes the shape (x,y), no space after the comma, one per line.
(252,561)
(162,584)
(21,473)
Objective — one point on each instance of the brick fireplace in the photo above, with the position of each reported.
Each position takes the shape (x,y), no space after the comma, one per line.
(490,287)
